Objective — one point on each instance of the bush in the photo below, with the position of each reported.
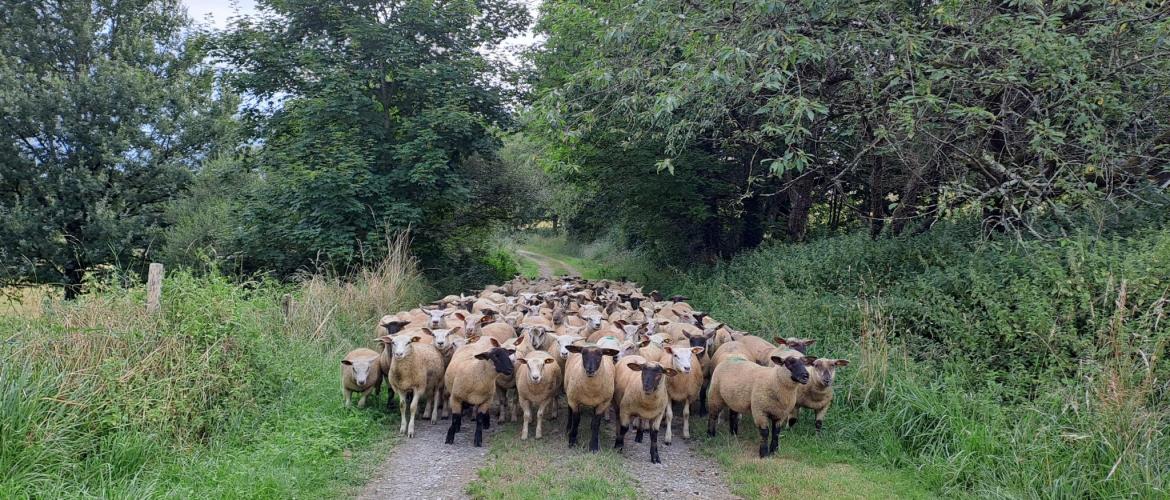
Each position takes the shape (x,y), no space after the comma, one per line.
(1021,368)
(99,398)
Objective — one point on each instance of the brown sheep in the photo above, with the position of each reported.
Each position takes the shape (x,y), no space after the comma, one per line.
(538,381)
(683,388)
(818,393)
(769,393)
(471,380)
(588,382)
(415,368)
(643,398)
(360,372)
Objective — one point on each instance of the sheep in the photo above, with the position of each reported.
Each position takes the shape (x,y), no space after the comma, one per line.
(506,384)
(502,332)
(684,388)
(769,393)
(538,337)
(415,368)
(588,382)
(645,398)
(471,379)
(538,381)
(818,393)
(795,343)
(360,372)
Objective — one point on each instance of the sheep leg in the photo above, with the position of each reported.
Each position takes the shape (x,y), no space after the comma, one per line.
(620,440)
(733,422)
(539,418)
(515,403)
(574,422)
(595,433)
(365,394)
(687,419)
(821,418)
(638,432)
(487,416)
(527,415)
(456,416)
(401,412)
(763,441)
(654,459)
(480,418)
(669,423)
(556,407)
(702,412)
(437,401)
(413,412)
(775,435)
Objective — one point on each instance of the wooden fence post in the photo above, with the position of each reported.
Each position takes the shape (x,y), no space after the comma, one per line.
(154,281)
(286,305)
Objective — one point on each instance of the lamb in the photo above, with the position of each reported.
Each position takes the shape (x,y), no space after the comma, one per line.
(471,379)
(684,388)
(818,393)
(769,393)
(538,381)
(416,368)
(360,372)
(589,382)
(642,397)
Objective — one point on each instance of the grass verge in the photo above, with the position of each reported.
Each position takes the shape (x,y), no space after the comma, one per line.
(547,468)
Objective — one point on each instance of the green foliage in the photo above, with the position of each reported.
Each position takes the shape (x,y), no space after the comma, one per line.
(106,106)
(220,395)
(994,368)
(799,116)
(373,117)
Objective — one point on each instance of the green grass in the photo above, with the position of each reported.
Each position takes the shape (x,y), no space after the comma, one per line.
(804,466)
(546,468)
(221,395)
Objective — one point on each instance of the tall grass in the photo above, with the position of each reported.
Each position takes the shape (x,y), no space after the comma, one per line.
(99,398)
(1032,369)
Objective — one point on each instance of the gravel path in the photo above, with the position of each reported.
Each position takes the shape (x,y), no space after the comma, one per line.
(684,472)
(544,263)
(424,468)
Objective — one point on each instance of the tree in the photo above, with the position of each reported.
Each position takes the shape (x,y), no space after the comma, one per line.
(373,116)
(891,114)
(106,107)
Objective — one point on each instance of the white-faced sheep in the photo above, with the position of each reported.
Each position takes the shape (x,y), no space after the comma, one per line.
(360,372)
(769,393)
(683,388)
(538,381)
(817,395)
(417,369)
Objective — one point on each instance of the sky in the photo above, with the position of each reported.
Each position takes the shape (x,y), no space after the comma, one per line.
(216,12)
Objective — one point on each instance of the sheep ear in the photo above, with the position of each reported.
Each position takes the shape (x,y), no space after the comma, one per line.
(779,340)
(428,332)
(386,339)
(697,350)
(347,362)
(486,320)
(576,349)
(668,349)
(460,316)
(522,361)
(841,362)
(415,338)
(778,360)
(670,372)
(644,343)
(633,365)
(809,360)
(810,342)
(519,340)
(548,360)
(483,355)
(495,343)
(455,331)
(609,352)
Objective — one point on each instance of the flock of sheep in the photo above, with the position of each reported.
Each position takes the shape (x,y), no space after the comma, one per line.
(599,345)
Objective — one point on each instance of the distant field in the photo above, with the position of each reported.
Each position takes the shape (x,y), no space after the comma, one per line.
(25,301)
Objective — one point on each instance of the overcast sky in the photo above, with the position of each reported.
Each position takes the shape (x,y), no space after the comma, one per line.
(216,13)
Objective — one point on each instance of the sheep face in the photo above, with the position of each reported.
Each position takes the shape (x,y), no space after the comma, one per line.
(536,366)
(443,337)
(796,344)
(591,357)
(500,358)
(401,345)
(824,370)
(436,317)
(360,369)
(593,319)
(563,342)
(651,375)
(796,365)
(683,357)
(536,335)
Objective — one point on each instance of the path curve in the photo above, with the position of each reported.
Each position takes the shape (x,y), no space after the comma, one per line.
(543,262)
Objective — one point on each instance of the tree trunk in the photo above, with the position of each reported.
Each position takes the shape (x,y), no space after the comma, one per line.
(799,202)
(753,223)
(73,279)
(877,207)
